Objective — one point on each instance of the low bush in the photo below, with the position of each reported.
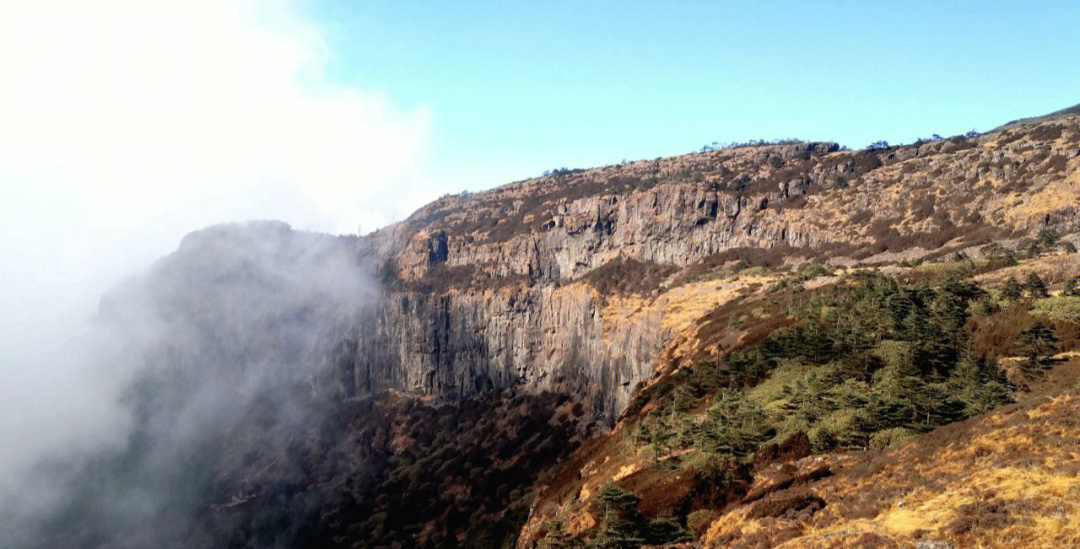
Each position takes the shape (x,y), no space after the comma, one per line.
(1064,308)
(698,521)
(890,438)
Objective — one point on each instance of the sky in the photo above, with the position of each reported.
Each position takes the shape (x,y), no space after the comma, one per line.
(126,124)
(515,87)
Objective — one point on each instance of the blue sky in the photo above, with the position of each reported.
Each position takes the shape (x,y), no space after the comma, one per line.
(516,87)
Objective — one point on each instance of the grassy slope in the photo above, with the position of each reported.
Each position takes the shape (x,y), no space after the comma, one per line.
(1005,479)
(968,476)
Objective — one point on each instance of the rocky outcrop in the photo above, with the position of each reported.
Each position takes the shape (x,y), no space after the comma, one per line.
(459,344)
(484,290)
(505,288)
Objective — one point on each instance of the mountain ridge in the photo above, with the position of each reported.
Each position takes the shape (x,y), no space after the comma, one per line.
(330,391)
(497,256)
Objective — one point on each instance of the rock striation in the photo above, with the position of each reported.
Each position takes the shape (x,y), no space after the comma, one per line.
(510,288)
(501,288)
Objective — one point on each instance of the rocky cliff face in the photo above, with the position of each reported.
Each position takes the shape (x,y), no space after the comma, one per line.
(458,344)
(563,282)
(289,386)
(510,287)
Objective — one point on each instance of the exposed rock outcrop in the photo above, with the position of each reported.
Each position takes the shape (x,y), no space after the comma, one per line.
(483,290)
(505,288)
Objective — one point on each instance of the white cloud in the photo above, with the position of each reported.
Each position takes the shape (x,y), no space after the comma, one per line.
(143,106)
(124,125)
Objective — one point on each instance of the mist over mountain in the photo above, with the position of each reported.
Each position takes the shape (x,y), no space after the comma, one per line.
(713,349)
(692,275)
(232,330)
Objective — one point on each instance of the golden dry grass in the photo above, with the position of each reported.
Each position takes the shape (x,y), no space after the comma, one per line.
(1019,207)
(1051,268)
(1008,479)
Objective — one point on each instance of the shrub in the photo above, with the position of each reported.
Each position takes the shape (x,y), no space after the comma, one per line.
(845,428)
(998,256)
(622,526)
(1064,308)
(1011,290)
(714,474)
(868,362)
(615,499)
(985,307)
(890,438)
(895,354)
(1072,287)
(740,183)
(698,521)
(1047,238)
(664,530)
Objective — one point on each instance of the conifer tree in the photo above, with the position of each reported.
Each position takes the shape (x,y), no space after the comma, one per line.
(1011,290)
(620,523)
(1035,286)
(1038,343)
(1072,287)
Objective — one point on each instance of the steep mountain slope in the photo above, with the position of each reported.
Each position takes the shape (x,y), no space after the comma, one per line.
(735,448)
(513,286)
(755,434)
(733,347)
(1006,479)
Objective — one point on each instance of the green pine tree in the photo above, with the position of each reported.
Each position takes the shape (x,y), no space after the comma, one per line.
(1035,286)
(1072,287)
(1012,290)
(1038,343)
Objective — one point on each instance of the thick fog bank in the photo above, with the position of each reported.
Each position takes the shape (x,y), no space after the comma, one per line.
(214,358)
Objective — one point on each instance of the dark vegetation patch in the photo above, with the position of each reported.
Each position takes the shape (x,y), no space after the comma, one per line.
(622,524)
(628,276)
(797,506)
(861,217)
(996,329)
(969,230)
(996,333)
(1011,136)
(795,202)
(788,477)
(1057,163)
(699,485)
(742,257)
(984,515)
(795,447)
(434,475)
(957,144)
(466,468)
(442,277)
(383,471)
(1046,132)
